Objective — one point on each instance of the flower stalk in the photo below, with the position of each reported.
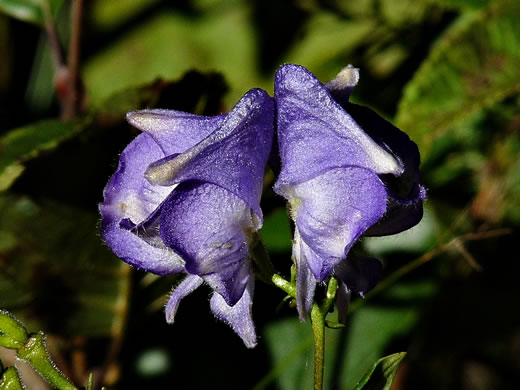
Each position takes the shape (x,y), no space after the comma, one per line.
(35,353)
(284,285)
(318,315)
(318,333)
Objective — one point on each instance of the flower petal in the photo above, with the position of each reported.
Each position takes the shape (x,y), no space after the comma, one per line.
(401,214)
(359,273)
(316,134)
(405,194)
(305,280)
(233,157)
(174,131)
(209,228)
(394,139)
(238,316)
(138,253)
(333,210)
(189,284)
(129,196)
(341,86)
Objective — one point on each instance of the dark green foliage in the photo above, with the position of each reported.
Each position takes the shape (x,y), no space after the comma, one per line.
(448,71)
(382,374)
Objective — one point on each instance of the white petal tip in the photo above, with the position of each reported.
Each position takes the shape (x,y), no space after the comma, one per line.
(345,81)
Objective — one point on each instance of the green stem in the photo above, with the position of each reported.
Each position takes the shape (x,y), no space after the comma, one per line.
(284,285)
(318,332)
(330,296)
(35,353)
(318,315)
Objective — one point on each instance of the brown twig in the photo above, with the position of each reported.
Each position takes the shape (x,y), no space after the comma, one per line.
(52,35)
(73,99)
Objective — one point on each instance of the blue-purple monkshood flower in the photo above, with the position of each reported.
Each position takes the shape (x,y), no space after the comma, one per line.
(185,199)
(346,172)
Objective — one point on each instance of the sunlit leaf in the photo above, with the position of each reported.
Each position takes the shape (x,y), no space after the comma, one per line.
(474,65)
(381,376)
(109,14)
(29,10)
(327,36)
(170,44)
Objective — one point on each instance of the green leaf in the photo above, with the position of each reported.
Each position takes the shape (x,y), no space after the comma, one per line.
(329,36)
(55,273)
(194,92)
(25,143)
(291,357)
(109,14)
(372,329)
(474,65)
(381,376)
(28,10)
(202,43)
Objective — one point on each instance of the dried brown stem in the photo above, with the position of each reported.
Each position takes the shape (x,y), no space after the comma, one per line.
(73,98)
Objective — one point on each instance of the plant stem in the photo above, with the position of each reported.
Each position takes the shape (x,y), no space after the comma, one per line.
(35,353)
(318,332)
(284,285)
(318,315)
(73,100)
(50,28)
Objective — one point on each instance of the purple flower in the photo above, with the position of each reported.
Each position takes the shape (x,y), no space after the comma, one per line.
(345,172)
(185,199)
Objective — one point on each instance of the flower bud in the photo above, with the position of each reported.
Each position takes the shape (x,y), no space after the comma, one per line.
(12,333)
(10,380)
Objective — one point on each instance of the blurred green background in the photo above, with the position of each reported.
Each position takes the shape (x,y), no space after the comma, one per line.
(445,71)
